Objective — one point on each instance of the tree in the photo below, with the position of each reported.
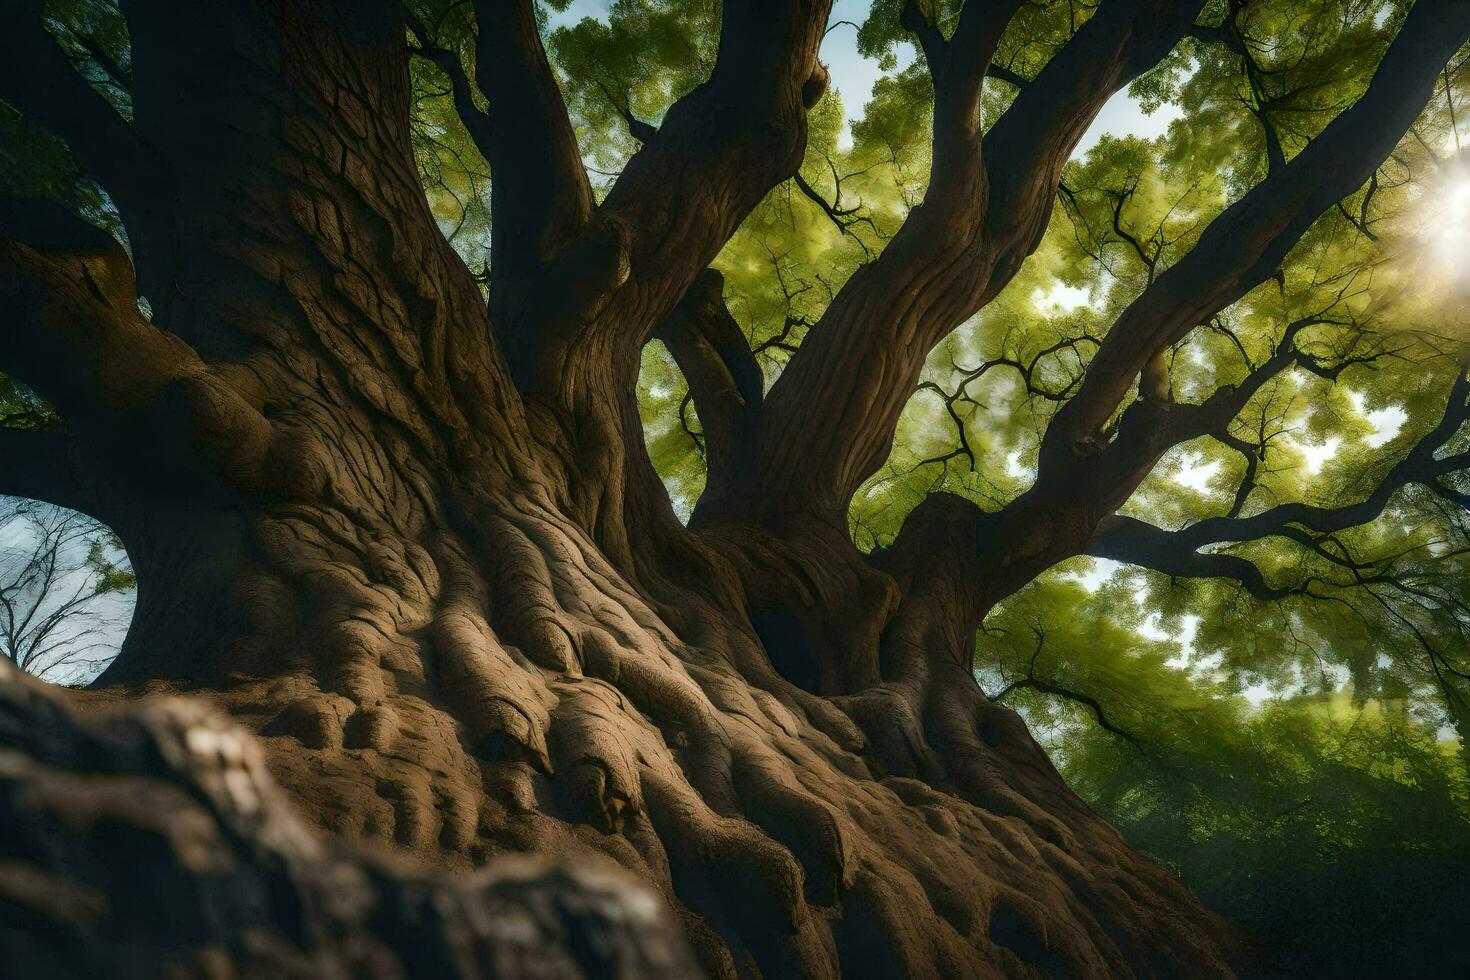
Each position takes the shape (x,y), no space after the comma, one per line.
(61,576)
(411,532)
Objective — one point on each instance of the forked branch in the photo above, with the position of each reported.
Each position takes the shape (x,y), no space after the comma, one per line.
(1177,552)
(1246,244)
(986,207)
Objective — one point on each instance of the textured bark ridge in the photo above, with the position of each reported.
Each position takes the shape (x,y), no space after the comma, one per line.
(152,842)
(422,553)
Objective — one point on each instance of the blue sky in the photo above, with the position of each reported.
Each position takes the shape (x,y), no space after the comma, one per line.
(854,75)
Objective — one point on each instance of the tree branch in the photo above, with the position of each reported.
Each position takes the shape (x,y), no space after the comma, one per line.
(540,195)
(843,219)
(1246,244)
(1034,683)
(1177,552)
(73,333)
(720,148)
(641,131)
(718,151)
(1135,542)
(986,207)
(1228,34)
(1006,75)
(476,122)
(726,384)
(1046,525)
(1066,693)
(72,317)
(1028,146)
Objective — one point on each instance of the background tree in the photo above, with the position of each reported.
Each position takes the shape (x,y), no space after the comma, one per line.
(1327,817)
(390,499)
(64,590)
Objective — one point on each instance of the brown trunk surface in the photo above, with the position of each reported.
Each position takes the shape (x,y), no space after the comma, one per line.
(152,842)
(458,608)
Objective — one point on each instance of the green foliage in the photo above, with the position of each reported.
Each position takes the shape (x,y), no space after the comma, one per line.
(1337,833)
(109,575)
(22,408)
(1335,826)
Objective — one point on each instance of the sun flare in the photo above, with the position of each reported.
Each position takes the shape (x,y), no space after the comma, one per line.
(1446,219)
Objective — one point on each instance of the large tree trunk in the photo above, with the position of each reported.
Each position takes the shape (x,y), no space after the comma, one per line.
(466,622)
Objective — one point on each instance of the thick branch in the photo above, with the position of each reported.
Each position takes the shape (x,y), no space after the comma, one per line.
(937,560)
(1048,524)
(1152,426)
(540,196)
(1058,518)
(73,331)
(720,148)
(717,152)
(1135,542)
(1028,146)
(985,209)
(957,69)
(726,383)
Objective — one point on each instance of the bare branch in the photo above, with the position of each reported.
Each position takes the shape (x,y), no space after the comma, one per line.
(1034,683)
(55,570)
(843,219)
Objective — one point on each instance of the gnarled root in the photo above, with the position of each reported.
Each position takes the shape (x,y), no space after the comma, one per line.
(153,842)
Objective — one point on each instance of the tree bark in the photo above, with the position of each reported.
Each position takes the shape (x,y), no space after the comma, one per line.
(152,841)
(445,587)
